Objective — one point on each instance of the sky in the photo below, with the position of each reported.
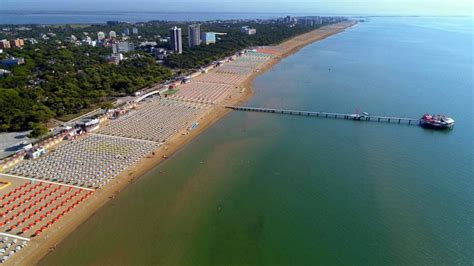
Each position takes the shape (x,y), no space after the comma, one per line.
(365,7)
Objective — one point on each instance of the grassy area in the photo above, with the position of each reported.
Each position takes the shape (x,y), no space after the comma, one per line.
(170,92)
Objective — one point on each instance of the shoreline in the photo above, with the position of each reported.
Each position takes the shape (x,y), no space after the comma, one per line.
(42,245)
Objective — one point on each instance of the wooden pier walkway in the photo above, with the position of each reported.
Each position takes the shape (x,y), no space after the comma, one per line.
(357,117)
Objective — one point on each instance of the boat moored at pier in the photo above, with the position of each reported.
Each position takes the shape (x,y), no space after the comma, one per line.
(436,121)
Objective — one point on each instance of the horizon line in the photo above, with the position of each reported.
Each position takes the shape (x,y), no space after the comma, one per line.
(243,12)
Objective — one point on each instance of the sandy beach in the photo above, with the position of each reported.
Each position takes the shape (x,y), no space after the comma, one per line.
(45,243)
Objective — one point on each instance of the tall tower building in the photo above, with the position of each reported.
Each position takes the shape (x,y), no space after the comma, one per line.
(194,35)
(176,40)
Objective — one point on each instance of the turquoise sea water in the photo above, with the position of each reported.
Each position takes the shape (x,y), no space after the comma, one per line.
(264,189)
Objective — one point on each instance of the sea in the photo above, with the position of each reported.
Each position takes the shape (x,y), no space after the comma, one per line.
(268,189)
(88,17)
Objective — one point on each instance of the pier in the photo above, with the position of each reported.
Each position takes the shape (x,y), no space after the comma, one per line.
(356,117)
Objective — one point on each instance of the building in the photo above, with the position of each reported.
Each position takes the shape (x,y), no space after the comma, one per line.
(72,39)
(176,40)
(88,124)
(251,31)
(125,47)
(122,47)
(318,21)
(36,152)
(112,34)
(100,35)
(135,30)
(145,44)
(309,22)
(115,59)
(160,53)
(4,44)
(126,31)
(12,62)
(247,30)
(4,72)
(194,35)
(32,40)
(208,37)
(115,48)
(87,41)
(17,43)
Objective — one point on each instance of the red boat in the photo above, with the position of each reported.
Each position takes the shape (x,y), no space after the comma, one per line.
(436,121)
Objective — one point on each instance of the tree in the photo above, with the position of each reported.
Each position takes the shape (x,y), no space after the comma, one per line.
(107,105)
(62,79)
(37,130)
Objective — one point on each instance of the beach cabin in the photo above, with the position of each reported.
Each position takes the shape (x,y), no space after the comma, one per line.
(89,124)
(35,153)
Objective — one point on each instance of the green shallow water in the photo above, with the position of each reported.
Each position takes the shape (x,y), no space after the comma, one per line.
(263,189)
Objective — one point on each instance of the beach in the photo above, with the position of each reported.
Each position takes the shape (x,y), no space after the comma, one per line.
(269,189)
(45,243)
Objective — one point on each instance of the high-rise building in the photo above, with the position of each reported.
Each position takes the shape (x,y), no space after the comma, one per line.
(100,35)
(208,37)
(17,43)
(176,40)
(115,48)
(126,31)
(194,35)
(112,34)
(135,30)
(309,22)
